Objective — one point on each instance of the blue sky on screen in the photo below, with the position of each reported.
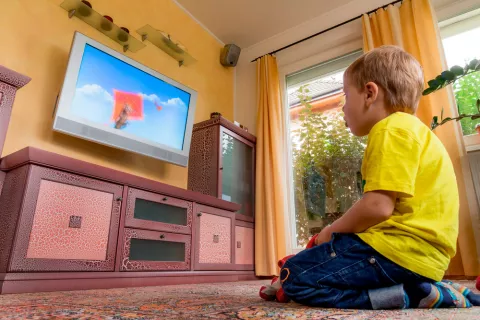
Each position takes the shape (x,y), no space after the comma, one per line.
(101,73)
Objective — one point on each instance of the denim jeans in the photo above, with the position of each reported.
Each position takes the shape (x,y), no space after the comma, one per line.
(346,273)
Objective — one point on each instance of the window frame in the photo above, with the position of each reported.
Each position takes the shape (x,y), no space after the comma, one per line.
(452,27)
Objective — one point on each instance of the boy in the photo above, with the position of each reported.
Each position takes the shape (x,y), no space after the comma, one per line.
(394,245)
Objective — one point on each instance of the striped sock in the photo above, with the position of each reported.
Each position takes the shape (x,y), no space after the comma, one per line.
(435,295)
(472,297)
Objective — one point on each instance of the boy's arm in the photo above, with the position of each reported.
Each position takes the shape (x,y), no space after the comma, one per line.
(373,208)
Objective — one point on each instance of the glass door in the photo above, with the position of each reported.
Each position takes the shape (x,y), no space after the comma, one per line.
(326,157)
(237,176)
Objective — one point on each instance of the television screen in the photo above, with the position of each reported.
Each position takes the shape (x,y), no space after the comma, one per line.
(107,96)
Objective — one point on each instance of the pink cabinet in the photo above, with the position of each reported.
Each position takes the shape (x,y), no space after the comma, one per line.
(10,82)
(244,246)
(155,251)
(153,211)
(213,238)
(66,222)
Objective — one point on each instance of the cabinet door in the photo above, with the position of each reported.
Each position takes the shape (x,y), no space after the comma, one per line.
(244,247)
(151,211)
(155,251)
(237,173)
(67,223)
(214,235)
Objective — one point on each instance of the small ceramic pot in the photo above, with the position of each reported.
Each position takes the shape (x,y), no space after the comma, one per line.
(107,23)
(85,10)
(123,36)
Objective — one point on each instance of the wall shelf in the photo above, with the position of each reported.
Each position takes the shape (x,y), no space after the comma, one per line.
(164,42)
(76,8)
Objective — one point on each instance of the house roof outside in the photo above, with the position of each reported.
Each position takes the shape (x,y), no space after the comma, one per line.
(320,87)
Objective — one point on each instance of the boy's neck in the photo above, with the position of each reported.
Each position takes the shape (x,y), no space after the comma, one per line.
(380,113)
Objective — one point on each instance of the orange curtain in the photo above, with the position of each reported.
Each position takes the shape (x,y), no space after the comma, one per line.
(270,194)
(413,27)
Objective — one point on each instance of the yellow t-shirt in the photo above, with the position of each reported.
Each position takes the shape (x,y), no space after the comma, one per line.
(403,155)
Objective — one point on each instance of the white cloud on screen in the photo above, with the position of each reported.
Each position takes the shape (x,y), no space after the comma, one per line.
(153,98)
(94,90)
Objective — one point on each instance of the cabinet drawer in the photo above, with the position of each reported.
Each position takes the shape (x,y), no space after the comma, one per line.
(244,248)
(67,223)
(214,239)
(155,251)
(152,211)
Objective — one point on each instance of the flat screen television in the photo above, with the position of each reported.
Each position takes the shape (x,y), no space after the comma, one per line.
(110,99)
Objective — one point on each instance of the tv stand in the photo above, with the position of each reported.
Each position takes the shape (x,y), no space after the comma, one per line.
(70,225)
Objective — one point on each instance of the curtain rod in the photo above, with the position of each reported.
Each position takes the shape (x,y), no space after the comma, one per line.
(326,30)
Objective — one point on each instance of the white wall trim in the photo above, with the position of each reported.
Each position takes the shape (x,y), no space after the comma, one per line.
(199,22)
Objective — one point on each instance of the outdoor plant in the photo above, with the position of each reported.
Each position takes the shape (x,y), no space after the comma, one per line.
(327,161)
(466,85)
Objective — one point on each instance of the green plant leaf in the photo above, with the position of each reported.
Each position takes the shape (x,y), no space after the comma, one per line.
(428,91)
(457,70)
(434,84)
(448,75)
(473,64)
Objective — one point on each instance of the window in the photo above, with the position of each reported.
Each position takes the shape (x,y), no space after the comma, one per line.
(326,157)
(460,41)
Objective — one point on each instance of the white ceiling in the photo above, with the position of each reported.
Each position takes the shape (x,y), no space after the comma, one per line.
(247,22)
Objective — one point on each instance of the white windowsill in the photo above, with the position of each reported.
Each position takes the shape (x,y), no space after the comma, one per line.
(472,142)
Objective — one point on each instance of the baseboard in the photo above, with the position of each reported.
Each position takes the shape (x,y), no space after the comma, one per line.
(13,283)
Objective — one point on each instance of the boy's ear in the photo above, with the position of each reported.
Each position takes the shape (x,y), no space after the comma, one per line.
(371,93)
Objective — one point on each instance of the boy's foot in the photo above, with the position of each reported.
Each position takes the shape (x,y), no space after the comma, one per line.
(434,295)
(467,293)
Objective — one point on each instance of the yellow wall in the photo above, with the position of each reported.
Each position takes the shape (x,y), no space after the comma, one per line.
(35,39)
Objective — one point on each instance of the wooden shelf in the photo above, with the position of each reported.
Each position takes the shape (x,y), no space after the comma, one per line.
(76,8)
(164,42)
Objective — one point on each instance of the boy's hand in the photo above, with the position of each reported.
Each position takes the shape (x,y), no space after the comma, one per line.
(375,207)
(324,236)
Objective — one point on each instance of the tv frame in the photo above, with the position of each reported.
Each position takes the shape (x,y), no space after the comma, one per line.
(89,130)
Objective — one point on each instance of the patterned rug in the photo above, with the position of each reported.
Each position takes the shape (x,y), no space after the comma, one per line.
(237,300)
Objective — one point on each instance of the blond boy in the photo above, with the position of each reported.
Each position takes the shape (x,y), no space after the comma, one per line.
(391,249)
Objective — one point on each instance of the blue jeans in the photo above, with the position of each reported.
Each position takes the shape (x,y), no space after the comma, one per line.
(346,273)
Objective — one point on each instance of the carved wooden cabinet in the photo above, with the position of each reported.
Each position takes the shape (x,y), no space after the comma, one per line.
(70,225)
(65,222)
(244,246)
(145,250)
(213,236)
(10,82)
(222,164)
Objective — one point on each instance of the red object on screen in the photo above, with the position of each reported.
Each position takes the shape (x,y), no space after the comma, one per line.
(133,100)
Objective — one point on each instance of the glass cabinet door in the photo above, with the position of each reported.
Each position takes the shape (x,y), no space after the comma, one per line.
(237,172)
(152,211)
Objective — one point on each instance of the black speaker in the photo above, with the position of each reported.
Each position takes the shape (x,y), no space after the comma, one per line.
(229,56)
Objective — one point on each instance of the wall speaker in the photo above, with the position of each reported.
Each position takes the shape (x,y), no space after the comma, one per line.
(229,56)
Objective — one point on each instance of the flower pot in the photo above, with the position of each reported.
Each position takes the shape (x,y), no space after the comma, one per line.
(107,23)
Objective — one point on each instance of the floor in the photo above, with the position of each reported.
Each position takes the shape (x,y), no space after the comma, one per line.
(238,300)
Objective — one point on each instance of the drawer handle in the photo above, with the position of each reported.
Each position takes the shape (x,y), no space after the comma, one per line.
(216,238)
(199,214)
(165,199)
(239,244)
(75,222)
(162,236)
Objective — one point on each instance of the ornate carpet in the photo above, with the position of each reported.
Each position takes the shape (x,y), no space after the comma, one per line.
(237,300)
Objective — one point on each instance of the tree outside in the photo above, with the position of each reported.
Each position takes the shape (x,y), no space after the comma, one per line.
(326,163)
(467,91)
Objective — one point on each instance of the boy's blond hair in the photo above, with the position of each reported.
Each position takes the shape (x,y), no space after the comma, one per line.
(397,72)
